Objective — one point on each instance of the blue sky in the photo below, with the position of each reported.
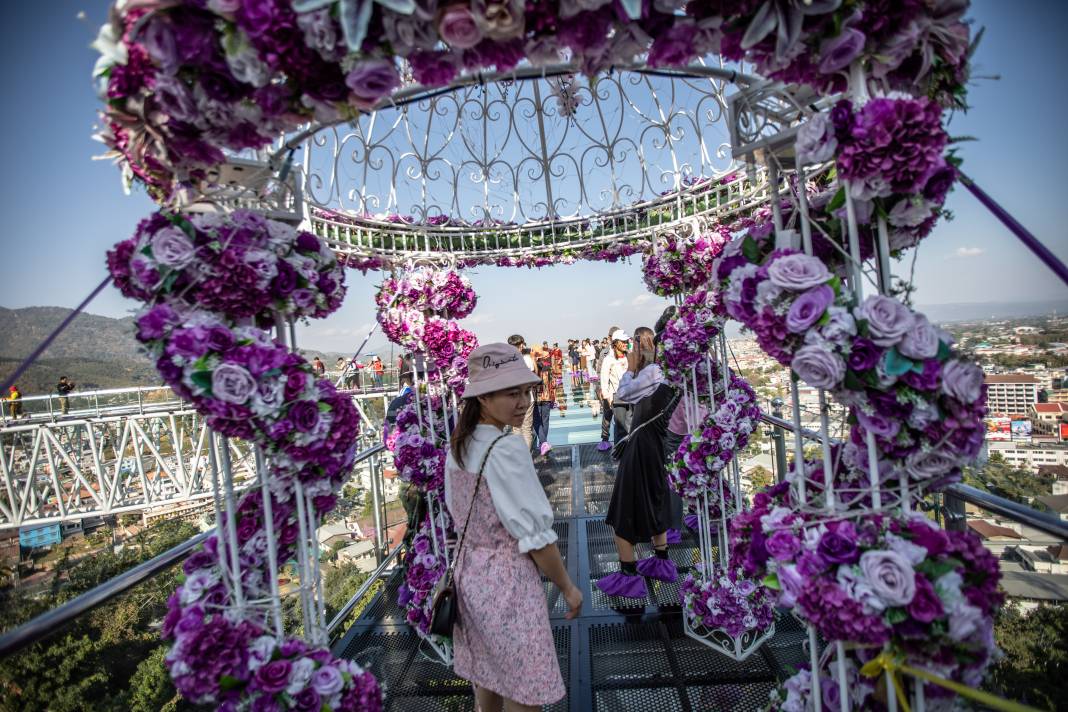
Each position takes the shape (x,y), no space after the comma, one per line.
(60,211)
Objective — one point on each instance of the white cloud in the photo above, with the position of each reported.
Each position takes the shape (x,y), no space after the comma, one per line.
(641,299)
(616,303)
(480,319)
(969,251)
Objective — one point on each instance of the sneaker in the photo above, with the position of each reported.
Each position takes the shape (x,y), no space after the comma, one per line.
(605,445)
(545,447)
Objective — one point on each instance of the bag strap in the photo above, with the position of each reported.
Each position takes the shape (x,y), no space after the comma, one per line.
(676,396)
(474,497)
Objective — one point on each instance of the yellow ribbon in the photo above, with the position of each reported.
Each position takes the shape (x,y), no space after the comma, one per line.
(892,664)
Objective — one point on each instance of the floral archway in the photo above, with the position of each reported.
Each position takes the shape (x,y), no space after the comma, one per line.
(839,164)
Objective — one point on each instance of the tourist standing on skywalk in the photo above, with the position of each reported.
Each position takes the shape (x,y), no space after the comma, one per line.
(502,641)
(640,508)
(63,388)
(613,367)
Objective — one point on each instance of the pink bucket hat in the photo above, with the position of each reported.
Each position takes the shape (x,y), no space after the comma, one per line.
(495,367)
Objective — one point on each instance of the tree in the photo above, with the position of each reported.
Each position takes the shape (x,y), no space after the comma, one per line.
(1005,480)
(760,477)
(1036,656)
(151,688)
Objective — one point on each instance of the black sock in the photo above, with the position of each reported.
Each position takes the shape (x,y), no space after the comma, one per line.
(661,553)
(629,568)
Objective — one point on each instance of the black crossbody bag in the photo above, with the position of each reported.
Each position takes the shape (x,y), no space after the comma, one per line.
(446,609)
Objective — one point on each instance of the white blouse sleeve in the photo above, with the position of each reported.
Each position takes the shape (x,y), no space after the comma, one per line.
(517,494)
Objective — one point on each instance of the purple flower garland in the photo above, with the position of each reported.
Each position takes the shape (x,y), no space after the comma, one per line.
(724,601)
(904,383)
(247,386)
(424,568)
(689,335)
(681,264)
(181,83)
(931,594)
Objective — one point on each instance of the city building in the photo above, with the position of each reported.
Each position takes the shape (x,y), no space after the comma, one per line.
(1031,456)
(43,535)
(1011,393)
(1058,503)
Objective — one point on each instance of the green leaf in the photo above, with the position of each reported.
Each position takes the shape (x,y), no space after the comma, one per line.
(202,379)
(896,615)
(324,407)
(226,682)
(835,283)
(897,365)
(943,351)
(937,569)
(169,280)
(772,581)
(751,250)
(837,201)
(853,382)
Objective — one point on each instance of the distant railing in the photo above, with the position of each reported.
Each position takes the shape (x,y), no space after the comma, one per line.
(48,623)
(150,399)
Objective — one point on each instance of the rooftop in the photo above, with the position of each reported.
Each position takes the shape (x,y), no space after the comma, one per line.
(1029,584)
(1057,502)
(996,378)
(988,530)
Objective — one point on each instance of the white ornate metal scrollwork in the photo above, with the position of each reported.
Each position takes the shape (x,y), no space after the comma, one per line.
(504,153)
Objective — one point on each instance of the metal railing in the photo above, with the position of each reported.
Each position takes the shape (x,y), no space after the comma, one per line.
(48,623)
(151,399)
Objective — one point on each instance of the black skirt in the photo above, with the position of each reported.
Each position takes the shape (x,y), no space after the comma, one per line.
(641,506)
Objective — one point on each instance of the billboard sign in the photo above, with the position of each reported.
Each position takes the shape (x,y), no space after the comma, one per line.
(1064,431)
(998,429)
(1021,430)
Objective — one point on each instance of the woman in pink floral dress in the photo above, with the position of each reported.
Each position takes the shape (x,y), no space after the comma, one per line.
(502,641)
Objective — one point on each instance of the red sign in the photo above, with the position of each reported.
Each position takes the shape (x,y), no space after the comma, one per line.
(1064,431)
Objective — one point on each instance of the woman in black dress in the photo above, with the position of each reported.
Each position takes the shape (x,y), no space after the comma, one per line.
(640,506)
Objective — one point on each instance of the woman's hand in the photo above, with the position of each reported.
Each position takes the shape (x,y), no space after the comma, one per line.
(573,596)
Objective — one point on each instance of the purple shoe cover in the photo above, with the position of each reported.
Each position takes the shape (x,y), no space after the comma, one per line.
(660,569)
(674,536)
(619,584)
(691,521)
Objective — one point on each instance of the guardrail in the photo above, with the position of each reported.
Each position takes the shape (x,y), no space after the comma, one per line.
(48,623)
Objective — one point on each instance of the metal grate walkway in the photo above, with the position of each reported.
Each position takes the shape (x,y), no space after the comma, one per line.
(619,655)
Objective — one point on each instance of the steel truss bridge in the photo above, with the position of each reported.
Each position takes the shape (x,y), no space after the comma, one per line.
(130,454)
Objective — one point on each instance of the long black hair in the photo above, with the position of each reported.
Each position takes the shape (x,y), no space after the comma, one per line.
(469,418)
(645,343)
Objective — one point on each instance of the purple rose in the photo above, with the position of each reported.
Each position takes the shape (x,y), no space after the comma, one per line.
(930,465)
(285,281)
(928,536)
(219,339)
(926,606)
(153,323)
(878,424)
(818,367)
(922,342)
(172,247)
(890,576)
(888,319)
(809,308)
(231,383)
(798,272)
(782,545)
(864,354)
(305,415)
(372,79)
(327,681)
(307,699)
(273,677)
(939,183)
(838,544)
(815,140)
(304,298)
(838,52)
(962,380)
(457,27)
(791,584)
